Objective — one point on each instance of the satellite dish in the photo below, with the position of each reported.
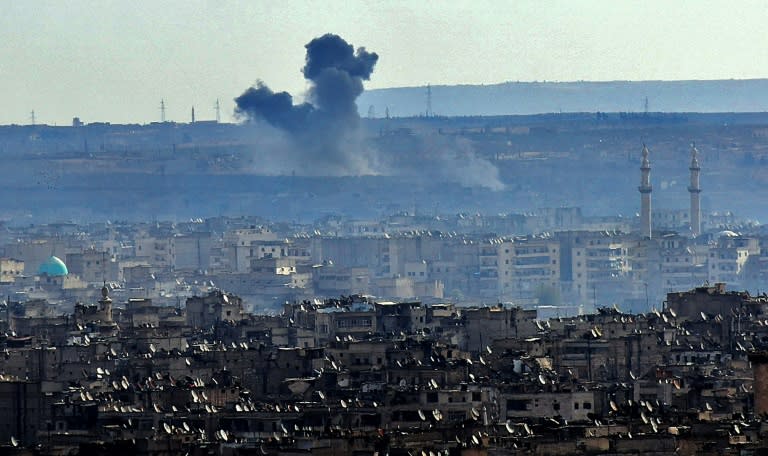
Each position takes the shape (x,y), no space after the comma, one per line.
(509,427)
(14,442)
(422,417)
(344,404)
(614,407)
(167,428)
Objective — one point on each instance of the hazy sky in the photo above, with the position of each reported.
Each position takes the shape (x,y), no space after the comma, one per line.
(115,60)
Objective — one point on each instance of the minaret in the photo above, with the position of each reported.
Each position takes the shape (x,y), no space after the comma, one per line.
(695,192)
(106,304)
(645,195)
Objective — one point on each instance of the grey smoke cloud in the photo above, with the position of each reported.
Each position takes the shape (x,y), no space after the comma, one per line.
(325,128)
(321,136)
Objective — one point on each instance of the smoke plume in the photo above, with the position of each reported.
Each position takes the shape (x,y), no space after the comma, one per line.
(323,130)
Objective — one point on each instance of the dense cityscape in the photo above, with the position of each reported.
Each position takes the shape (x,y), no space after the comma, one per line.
(544,332)
(464,269)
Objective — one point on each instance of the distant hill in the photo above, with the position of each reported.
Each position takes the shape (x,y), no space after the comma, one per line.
(748,95)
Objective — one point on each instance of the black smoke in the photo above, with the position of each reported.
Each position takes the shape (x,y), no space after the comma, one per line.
(322,130)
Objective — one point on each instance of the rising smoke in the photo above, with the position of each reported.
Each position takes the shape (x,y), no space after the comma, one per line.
(321,136)
(323,130)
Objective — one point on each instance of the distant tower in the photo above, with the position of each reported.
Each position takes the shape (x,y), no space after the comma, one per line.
(193,114)
(217,107)
(162,110)
(695,190)
(645,195)
(32,117)
(105,304)
(429,100)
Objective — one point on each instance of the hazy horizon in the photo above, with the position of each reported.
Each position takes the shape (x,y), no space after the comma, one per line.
(115,61)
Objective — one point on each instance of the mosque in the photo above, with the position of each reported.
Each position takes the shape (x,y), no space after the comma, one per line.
(53,267)
(645,189)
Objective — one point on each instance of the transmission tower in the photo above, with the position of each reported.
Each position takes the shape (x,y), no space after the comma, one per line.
(217,107)
(429,101)
(162,110)
(32,117)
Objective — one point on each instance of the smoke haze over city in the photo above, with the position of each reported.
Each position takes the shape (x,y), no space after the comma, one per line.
(367,228)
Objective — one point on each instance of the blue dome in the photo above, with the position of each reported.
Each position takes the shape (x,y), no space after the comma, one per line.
(53,267)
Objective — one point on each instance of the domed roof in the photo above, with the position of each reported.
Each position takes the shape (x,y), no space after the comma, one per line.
(53,267)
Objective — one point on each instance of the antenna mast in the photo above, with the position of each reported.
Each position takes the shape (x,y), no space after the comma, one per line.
(32,117)
(429,100)
(217,106)
(162,110)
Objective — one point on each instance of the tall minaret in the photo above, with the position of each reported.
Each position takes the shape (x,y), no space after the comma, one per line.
(645,195)
(695,192)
